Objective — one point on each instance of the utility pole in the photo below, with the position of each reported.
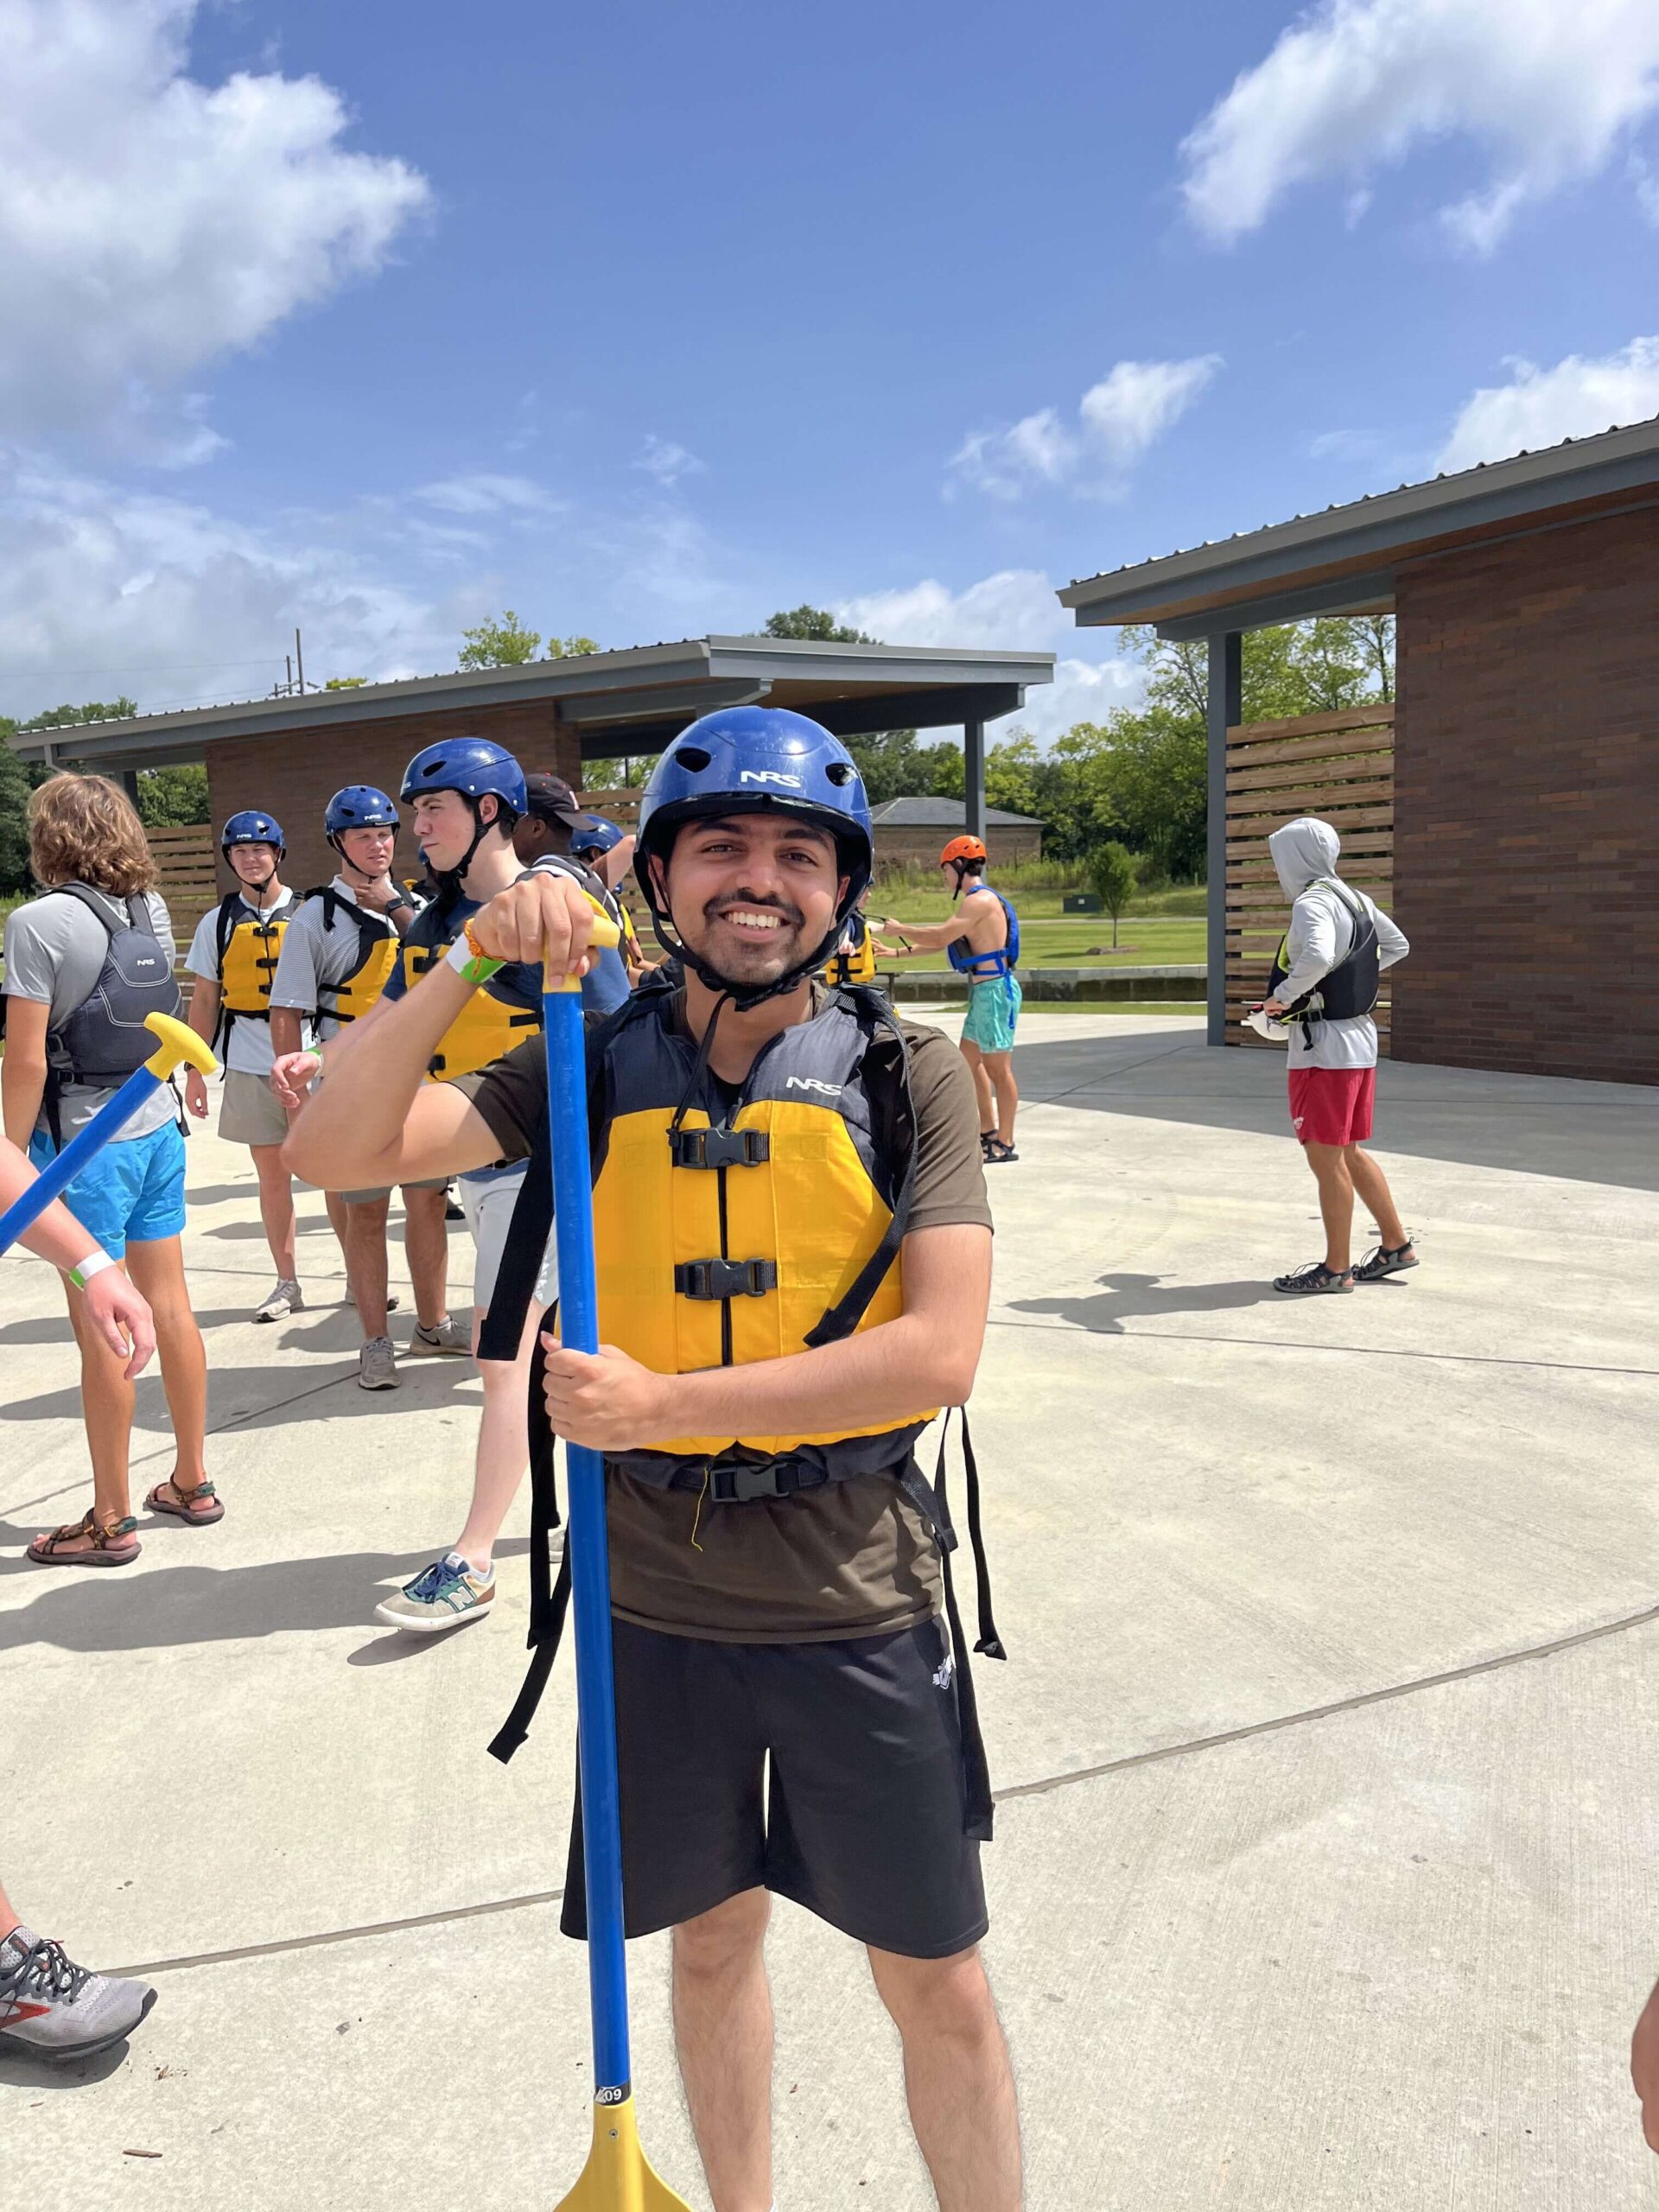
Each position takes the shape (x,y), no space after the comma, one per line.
(299,655)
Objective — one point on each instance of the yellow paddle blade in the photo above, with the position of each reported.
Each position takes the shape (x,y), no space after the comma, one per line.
(178,1043)
(616,2177)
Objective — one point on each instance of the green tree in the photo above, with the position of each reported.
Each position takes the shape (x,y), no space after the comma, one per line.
(95,710)
(16,781)
(891,762)
(571,648)
(1113,874)
(505,644)
(349,683)
(815,623)
(170,798)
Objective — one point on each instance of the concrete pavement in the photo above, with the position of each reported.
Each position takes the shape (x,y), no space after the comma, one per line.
(1321,1878)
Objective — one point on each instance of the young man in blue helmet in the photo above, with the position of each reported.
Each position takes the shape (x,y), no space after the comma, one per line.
(234,957)
(794,1252)
(468,795)
(981,941)
(339,949)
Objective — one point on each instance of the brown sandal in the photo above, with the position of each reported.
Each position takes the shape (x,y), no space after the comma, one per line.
(116,1546)
(182,1507)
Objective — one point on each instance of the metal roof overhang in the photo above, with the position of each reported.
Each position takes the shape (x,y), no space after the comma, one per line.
(1345,561)
(622,702)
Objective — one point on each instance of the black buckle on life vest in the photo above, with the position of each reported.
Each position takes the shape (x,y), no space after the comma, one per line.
(741,1481)
(719,1148)
(726,1278)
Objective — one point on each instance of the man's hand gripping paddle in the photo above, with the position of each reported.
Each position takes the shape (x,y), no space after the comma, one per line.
(616,2177)
(178,1045)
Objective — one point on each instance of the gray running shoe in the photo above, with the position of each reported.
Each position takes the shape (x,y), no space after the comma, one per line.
(286,1299)
(53,2009)
(446,1593)
(448,1340)
(377,1366)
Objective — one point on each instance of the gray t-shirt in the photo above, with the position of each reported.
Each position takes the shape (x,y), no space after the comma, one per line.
(55,953)
(314,953)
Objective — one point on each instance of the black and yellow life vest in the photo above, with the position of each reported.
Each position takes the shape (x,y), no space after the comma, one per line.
(853,960)
(249,946)
(377,956)
(499,1014)
(727,1234)
(1348,990)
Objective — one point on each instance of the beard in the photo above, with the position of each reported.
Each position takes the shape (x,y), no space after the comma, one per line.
(750,957)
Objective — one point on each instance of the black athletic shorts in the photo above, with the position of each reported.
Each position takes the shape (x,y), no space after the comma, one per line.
(830,1773)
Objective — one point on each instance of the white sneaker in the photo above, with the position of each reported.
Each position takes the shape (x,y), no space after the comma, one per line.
(286,1299)
(377,1366)
(448,1339)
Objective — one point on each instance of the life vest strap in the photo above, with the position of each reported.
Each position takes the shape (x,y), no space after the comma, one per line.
(723,1279)
(719,1148)
(549,1597)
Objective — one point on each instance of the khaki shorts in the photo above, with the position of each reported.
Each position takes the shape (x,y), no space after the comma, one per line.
(250,1112)
(368,1197)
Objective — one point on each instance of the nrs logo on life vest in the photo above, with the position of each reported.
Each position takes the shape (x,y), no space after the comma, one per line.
(811,1083)
(768,776)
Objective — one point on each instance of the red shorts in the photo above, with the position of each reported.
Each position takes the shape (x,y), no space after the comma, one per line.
(1331,1105)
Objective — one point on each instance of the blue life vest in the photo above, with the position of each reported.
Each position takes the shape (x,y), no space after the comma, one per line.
(988,966)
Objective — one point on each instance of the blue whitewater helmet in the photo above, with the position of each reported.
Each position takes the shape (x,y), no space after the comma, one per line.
(478,768)
(358,806)
(595,835)
(250,827)
(754,760)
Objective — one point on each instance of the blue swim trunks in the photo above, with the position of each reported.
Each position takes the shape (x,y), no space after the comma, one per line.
(128,1194)
(993,1012)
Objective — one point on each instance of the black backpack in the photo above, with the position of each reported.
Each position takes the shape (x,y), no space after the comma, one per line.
(104,1039)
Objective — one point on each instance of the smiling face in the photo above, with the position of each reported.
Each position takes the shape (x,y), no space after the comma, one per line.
(368,851)
(254,864)
(753,894)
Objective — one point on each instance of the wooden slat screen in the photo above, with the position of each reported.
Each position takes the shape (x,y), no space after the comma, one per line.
(620,807)
(1339,766)
(185,861)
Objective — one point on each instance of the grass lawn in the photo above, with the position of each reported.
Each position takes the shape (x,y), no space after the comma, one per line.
(1077,940)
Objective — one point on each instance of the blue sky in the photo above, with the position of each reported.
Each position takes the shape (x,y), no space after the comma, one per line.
(647,320)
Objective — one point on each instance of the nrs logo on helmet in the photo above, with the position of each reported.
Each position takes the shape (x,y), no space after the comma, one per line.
(769,776)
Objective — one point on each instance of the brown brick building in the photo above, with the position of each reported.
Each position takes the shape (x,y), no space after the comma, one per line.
(917,830)
(575,716)
(1525,801)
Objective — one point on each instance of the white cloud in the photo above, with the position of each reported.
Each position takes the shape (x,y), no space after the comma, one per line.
(1118,419)
(661,459)
(482,493)
(149,223)
(1540,407)
(1547,89)
(1015,609)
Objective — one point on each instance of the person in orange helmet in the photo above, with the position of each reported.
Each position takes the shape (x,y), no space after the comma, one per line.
(981,941)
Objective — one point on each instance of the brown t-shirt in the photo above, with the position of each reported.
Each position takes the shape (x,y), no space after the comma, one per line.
(851,1559)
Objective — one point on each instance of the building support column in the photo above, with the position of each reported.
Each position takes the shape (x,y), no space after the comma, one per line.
(1225,708)
(130,783)
(973,777)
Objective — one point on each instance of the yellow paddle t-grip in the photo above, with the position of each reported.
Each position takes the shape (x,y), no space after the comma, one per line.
(604,933)
(180,1045)
(617,2178)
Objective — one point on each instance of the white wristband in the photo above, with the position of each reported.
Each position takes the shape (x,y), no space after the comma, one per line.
(93,1264)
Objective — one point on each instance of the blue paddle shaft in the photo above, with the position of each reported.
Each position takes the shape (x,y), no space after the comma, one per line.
(590,1571)
(57,1175)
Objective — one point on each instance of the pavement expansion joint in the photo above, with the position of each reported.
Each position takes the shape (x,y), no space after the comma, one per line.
(1044,1786)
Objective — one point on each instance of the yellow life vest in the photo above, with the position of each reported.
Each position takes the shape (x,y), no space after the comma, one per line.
(249,948)
(721,1242)
(499,1015)
(376,942)
(853,960)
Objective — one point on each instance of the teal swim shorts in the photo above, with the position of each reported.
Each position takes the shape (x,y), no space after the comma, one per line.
(993,1011)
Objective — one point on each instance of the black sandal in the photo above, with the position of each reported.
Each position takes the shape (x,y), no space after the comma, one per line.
(1314,1278)
(116,1546)
(998,1155)
(181,1510)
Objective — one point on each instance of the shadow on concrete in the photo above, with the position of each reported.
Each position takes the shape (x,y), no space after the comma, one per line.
(1602,1132)
(1124,1298)
(19,2071)
(52,1329)
(236,1395)
(146,1608)
(237,1232)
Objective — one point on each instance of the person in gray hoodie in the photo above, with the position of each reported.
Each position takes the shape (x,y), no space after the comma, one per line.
(1323,987)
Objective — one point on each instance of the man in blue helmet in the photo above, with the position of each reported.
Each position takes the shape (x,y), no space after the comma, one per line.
(793,1256)
(234,957)
(468,795)
(339,947)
